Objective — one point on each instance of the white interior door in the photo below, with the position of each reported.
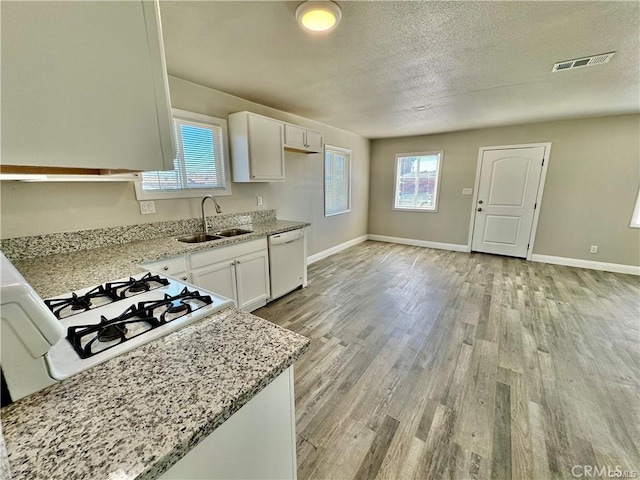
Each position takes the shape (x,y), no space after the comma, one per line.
(506,200)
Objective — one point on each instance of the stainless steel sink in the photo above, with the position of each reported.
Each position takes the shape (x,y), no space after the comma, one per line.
(199,238)
(233,232)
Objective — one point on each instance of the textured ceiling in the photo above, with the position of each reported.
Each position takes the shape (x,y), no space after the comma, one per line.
(474,64)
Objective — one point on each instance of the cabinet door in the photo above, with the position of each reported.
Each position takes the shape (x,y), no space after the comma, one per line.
(218,278)
(266,148)
(314,141)
(252,273)
(294,136)
(84,86)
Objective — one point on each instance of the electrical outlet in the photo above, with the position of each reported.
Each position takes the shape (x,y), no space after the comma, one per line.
(467,191)
(147,207)
(259,200)
(593,249)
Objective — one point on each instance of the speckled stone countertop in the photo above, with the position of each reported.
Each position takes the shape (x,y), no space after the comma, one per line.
(66,272)
(136,415)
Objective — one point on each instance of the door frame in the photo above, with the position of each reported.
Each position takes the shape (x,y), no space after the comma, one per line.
(543,177)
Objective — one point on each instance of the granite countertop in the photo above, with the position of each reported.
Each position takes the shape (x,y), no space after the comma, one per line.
(66,272)
(136,415)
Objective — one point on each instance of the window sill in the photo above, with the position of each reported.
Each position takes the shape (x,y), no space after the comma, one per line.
(333,214)
(419,210)
(177,194)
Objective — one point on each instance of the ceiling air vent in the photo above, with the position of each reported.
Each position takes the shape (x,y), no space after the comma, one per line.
(583,62)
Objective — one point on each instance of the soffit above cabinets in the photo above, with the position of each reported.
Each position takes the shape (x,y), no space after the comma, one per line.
(475,64)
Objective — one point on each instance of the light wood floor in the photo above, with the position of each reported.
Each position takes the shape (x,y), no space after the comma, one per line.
(431,364)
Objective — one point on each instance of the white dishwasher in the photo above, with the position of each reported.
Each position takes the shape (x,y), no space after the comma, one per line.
(287,262)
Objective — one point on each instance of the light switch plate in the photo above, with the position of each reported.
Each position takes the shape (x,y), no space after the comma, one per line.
(467,191)
(147,207)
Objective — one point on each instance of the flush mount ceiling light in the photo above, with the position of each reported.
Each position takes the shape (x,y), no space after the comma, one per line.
(318,15)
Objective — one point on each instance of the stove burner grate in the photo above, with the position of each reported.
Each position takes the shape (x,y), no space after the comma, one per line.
(111,332)
(127,288)
(65,307)
(84,338)
(185,302)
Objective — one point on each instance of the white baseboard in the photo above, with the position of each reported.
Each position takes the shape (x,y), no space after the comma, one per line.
(455,247)
(338,248)
(590,264)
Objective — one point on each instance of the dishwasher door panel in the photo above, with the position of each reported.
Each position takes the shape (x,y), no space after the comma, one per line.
(286,262)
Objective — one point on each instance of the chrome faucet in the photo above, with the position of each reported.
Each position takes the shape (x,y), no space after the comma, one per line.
(205,227)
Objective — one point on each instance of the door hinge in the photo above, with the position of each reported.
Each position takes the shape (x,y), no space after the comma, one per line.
(535,205)
(543,162)
(528,245)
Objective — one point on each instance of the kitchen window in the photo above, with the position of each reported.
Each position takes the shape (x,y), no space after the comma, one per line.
(202,162)
(337,180)
(417,181)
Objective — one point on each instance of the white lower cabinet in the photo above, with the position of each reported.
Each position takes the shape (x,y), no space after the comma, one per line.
(218,278)
(256,442)
(239,272)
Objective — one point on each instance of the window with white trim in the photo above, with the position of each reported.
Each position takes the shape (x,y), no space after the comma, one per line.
(337,180)
(417,181)
(635,218)
(202,163)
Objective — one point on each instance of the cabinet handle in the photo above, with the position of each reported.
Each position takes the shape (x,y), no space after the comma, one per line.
(165,268)
(237,262)
(184,278)
(233,263)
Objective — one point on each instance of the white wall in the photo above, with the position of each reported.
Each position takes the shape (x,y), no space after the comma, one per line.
(39,208)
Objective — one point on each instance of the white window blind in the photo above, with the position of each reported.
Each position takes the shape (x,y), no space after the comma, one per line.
(201,162)
(337,181)
(417,181)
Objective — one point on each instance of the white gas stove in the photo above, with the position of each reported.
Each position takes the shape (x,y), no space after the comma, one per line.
(47,341)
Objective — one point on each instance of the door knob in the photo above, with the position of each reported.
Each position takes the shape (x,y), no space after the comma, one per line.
(480,209)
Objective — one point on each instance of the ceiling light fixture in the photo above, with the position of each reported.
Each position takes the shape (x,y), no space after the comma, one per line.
(318,15)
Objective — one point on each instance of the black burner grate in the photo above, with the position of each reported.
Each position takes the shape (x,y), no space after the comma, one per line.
(103,295)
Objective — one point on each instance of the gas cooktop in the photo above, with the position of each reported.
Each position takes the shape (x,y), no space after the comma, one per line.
(104,321)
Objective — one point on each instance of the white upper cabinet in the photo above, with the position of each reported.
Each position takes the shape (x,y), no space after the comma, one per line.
(84,86)
(300,139)
(257,148)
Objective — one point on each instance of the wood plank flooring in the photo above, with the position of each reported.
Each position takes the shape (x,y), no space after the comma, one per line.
(430,364)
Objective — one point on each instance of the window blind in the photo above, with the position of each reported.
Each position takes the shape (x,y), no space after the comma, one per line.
(337,181)
(199,163)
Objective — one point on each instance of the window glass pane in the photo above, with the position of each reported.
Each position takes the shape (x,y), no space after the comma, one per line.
(337,181)
(200,162)
(417,182)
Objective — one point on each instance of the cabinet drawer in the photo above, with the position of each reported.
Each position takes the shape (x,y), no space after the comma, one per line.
(168,266)
(220,254)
